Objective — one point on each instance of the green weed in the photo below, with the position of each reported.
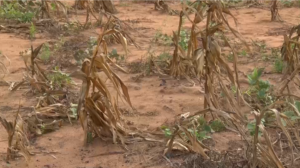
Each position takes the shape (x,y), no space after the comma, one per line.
(260,87)
(59,79)
(45,53)
(243,53)
(32,31)
(163,38)
(13,11)
(184,39)
(230,57)
(115,56)
(217,126)
(251,126)
(278,65)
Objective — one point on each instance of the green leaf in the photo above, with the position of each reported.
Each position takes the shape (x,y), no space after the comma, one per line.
(53,6)
(207,128)
(264,85)
(297,104)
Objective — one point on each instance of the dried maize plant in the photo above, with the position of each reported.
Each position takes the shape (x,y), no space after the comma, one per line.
(265,153)
(290,49)
(100,115)
(17,138)
(35,76)
(96,8)
(182,62)
(207,63)
(121,36)
(3,68)
(48,9)
(162,6)
(106,5)
(290,56)
(274,11)
(53,103)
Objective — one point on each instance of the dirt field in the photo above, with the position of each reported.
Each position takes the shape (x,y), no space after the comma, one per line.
(156,100)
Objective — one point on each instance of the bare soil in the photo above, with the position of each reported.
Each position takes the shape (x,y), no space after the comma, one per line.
(155,104)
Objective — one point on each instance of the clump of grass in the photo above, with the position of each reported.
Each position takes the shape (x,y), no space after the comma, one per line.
(217,126)
(243,53)
(14,11)
(278,65)
(45,53)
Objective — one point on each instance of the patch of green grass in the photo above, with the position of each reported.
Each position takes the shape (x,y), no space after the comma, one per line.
(164,56)
(14,11)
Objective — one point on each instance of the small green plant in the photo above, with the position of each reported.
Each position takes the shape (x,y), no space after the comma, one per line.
(184,39)
(230,57)
(163,38)
(73,109)
(164,56)
(293,115)
(278,65)
(45,53)
(251,126)
(167,131)
(254,77)
(217,126)
(115,56)
(243,53)
(201,130)
(59,79)
(163,59)
(259,87)
(80,55)
(58,45)
(32,31)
